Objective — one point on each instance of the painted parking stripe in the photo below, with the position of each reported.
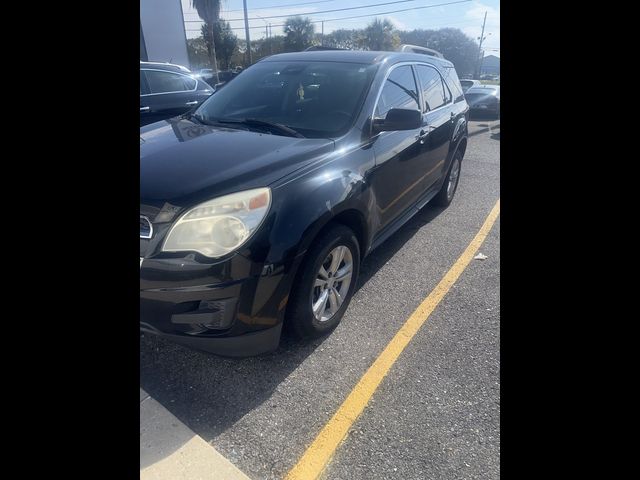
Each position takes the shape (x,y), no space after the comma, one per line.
(319,453)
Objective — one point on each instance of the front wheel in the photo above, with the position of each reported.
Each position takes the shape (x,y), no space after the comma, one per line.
(444,197)
(325,284)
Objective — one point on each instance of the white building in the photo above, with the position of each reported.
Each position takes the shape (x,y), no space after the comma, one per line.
(162,34)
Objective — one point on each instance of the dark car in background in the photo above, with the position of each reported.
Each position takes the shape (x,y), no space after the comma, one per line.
(168,90)
(257,208)
(484,99)
(467,84)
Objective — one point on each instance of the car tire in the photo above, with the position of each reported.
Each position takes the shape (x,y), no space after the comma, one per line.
(448,190)
(307,291)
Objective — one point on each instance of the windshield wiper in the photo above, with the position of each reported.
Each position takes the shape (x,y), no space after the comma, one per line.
(254,122)
(195,116)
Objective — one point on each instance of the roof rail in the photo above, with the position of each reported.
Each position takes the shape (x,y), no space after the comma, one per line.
(315,48)
(418,49)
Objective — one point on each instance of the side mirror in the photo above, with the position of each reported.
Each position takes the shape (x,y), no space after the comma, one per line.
(398,119)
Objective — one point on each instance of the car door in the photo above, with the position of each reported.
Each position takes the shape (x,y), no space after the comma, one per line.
(170,94)
(397,153)
(145,110)
(439,119)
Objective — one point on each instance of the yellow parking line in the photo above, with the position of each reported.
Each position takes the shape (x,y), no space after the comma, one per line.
(319,454)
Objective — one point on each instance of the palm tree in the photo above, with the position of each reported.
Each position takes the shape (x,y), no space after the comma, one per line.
(209,11)
(380,35)
(299,33)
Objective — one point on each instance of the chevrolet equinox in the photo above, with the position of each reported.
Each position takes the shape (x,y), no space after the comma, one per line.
(258,206)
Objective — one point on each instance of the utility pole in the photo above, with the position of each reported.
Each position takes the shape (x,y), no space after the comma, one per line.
(246,30)
(479,61)
(322,37)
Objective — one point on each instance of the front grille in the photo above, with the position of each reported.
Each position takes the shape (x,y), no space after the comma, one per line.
(146,229)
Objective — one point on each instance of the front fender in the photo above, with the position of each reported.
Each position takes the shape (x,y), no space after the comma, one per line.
(460,131)
(312,203)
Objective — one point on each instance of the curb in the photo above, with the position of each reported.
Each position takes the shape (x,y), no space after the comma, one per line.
(170,450)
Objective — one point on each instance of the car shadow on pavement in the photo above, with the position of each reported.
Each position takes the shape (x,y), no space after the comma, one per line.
(381,255)
(209,393)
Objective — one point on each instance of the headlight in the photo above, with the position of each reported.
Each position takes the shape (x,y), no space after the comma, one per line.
(221,225)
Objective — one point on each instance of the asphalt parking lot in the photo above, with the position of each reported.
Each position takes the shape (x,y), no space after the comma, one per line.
(436,414)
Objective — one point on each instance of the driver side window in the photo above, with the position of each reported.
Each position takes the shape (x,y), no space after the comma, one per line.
(399,91)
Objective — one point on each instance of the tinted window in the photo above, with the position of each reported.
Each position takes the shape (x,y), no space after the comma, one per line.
(318,99)
(433,91)
(451,79)
(447,92)
(483,91)
(143,84)
(399,91)
(163,82)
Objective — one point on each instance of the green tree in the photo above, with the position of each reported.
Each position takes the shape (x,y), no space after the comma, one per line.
(209,11)
(343,38)
(270,46)
(456,47)
(299,33)
(198,53)
(380,35)
(225,40)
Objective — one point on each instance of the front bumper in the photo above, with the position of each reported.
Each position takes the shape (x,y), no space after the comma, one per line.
(233,307)
(246,345)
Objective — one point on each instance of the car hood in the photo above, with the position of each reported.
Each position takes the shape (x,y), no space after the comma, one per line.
(183,162)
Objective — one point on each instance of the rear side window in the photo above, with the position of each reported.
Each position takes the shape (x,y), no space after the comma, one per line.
(451,79)
(433,89)
(399,91)
(143,84)
(165,82)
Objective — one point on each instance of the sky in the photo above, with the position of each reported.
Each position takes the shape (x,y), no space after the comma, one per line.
(467,16)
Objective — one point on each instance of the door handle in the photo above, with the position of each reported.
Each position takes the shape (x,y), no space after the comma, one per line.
(195,102)
(423,134)
(144,109)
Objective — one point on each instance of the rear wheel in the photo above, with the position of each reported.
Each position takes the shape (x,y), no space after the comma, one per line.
(448,190)
(325,284)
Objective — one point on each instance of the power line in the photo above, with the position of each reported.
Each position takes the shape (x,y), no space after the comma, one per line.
(273,6)
(466,22)
(339,9)
(325,11)
(367,15)
(384,13)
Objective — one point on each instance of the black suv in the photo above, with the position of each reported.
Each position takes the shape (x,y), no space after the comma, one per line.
(167,90)
(257,208)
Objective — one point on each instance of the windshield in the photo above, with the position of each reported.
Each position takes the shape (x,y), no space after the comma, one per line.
(476,96)
(317,99)
(482,91)
(466,84)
